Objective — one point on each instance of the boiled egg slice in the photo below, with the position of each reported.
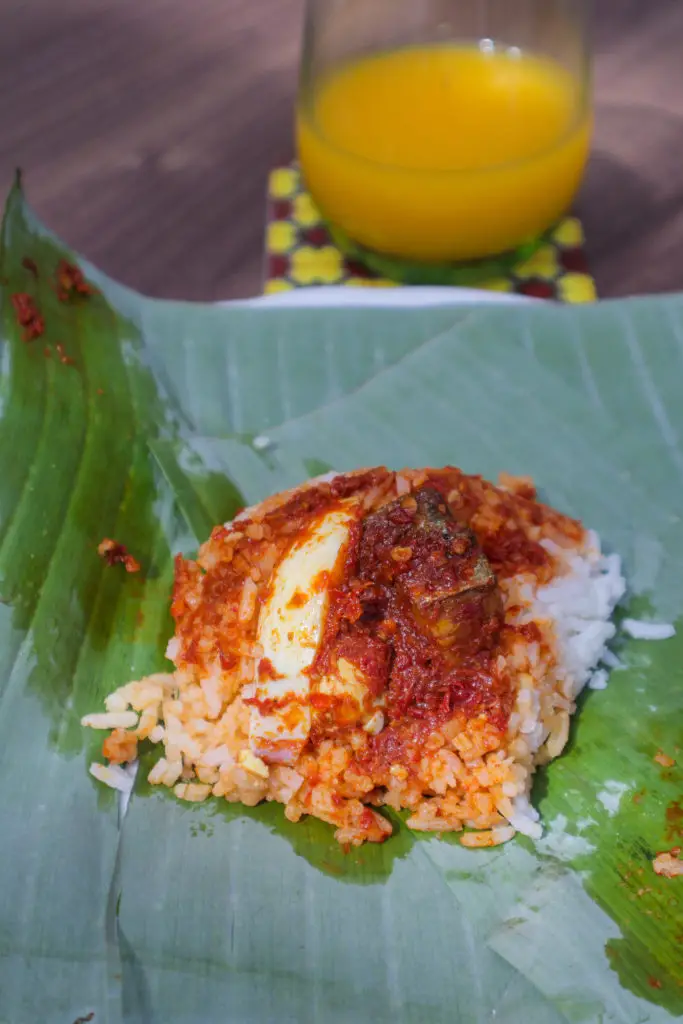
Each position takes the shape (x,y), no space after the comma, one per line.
(289,631)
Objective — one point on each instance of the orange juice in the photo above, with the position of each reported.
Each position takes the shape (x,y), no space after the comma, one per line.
(441,153)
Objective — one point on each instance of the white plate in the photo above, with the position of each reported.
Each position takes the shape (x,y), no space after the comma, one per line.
(414,296)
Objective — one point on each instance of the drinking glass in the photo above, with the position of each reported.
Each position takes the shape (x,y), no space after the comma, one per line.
(441,139)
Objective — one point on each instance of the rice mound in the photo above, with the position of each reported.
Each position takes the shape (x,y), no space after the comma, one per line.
(470,774)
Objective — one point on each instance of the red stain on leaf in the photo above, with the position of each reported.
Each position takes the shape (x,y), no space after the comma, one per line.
(28,316)
(69,282)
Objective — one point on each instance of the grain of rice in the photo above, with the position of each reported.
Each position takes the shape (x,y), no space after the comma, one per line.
(374,724)
(641,630)
(598,680)
(253,765)
(248,600)
(116,702)
(111,720)
(112,776)
(193,792)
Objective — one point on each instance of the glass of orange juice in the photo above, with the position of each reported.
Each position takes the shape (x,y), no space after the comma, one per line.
(442,138)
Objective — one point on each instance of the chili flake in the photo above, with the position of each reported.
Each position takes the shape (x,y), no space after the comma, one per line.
(69,281)
(28,316)
(113,552)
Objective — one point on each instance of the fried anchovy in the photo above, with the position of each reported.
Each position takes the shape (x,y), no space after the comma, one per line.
(421,551)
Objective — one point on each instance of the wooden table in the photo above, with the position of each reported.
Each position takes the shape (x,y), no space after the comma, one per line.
(146,129)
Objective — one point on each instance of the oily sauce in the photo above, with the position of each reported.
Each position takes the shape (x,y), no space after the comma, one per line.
(420,617)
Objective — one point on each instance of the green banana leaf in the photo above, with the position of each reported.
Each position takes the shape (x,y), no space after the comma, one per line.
(214,913)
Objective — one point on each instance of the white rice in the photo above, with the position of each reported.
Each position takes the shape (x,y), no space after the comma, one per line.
(581,604)
(598,681)
(111,720)
(641,630)
(610,660)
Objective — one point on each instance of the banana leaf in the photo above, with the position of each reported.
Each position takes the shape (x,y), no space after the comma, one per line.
(149,422)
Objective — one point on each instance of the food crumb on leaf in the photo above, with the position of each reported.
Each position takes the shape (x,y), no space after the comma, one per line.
(114,553)
(669,863)
(664,759)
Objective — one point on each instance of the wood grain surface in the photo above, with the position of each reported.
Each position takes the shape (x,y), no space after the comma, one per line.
(146,129)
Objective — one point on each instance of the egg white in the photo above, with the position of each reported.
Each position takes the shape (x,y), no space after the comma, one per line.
(290,630)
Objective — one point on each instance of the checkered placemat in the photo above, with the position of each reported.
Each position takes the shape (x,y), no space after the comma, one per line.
(301,253)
